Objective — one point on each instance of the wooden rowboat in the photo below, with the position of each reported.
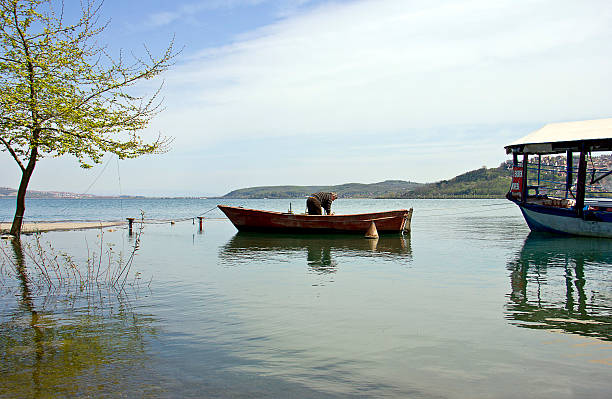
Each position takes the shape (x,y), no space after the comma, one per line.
(266,221)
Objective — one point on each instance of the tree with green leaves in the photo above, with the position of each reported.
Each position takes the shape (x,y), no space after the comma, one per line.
(63,93)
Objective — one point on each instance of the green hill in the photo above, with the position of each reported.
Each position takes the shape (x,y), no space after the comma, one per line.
(349,190)
(480,183)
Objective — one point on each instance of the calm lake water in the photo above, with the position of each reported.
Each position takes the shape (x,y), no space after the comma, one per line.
(469,305)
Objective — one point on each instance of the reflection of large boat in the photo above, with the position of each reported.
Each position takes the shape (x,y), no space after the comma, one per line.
(562,283)
(266,221)
(553,198)
(319,249)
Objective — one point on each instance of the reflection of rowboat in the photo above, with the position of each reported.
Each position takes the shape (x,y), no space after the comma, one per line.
(321,250)
(266,221)
(345,244)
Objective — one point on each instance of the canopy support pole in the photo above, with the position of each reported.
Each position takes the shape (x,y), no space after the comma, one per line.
(525,188)
(569,170)
(581,183)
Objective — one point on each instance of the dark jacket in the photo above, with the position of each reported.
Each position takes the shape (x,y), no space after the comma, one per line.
(325,199)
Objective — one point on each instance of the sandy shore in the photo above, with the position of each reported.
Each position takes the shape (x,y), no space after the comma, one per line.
(34,227)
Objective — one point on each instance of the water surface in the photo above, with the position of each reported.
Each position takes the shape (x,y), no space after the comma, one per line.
(469,304)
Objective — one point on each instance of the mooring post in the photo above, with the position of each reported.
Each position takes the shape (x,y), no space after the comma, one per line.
(200,219)
(130,221)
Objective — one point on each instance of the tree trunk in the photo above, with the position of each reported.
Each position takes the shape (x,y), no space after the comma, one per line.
(21,193)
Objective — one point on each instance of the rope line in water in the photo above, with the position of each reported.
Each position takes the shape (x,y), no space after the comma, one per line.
(162,221)
(166,221)
(211,209)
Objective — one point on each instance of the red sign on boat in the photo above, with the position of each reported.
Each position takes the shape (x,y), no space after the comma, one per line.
(517,180)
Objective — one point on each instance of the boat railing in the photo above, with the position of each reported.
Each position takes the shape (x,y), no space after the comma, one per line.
(552,180)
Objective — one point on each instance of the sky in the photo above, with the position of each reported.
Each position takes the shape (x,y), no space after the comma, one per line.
(270,92)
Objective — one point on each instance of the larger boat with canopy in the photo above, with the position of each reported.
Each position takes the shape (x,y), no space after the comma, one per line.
(570,195)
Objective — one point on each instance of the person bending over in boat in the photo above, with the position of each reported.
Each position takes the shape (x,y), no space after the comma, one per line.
(319,201)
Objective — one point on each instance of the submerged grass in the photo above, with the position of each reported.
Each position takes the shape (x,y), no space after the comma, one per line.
(68,326)
(34,268)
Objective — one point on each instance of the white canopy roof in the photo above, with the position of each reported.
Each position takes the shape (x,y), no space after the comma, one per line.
(542,140)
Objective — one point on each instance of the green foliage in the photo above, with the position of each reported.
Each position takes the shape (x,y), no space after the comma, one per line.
(62,93)
(479,183)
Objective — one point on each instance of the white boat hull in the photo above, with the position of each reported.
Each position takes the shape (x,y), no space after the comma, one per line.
(565,222)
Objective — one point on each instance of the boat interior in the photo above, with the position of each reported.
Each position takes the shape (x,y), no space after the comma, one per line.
(552,182)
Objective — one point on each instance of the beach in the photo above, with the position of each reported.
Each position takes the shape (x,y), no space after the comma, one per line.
(39,227)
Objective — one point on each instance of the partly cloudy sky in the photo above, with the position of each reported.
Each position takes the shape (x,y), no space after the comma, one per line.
(330,92)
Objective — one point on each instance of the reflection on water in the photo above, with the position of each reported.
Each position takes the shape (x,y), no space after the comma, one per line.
(323,253)
(562,283)
(248,315)
(55,341)
(79,353)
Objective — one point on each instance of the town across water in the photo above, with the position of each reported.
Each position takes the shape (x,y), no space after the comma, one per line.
(469,304)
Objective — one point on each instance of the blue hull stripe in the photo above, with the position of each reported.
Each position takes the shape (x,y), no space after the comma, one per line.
(565,221)
(535,226)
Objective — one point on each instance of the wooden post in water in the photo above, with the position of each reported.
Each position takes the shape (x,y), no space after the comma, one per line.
(130,222)
(200,219)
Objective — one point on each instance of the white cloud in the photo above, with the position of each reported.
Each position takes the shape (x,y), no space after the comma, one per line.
(388,66)
(163,18)
(189,10)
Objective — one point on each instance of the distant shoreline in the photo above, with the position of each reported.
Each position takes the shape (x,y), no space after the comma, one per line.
(102,197)
(11,193)
(485,183)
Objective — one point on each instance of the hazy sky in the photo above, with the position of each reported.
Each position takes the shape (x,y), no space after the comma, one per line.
(302,92)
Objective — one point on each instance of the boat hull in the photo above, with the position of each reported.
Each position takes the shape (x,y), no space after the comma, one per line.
(245,219)
(565,221)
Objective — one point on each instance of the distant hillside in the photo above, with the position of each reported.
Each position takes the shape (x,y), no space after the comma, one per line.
(10,192)
(480,183)
(6,192)
(349,190)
